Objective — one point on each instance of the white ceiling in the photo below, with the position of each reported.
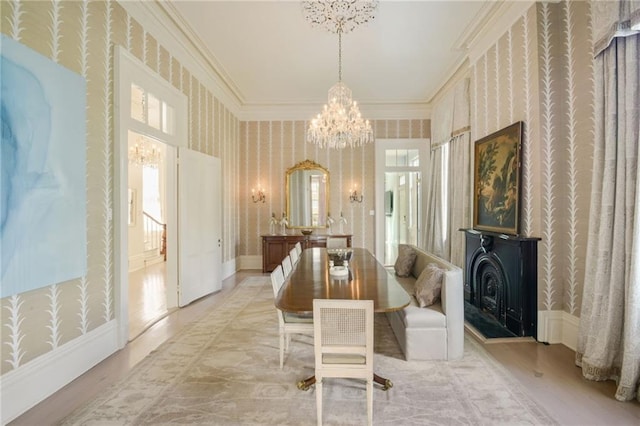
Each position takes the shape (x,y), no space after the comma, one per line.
(270,56)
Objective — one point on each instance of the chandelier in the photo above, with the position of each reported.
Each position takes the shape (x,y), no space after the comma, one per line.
(144,153)
(340,123)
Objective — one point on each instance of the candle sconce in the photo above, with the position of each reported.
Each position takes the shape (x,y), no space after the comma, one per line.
(258,196)
(354,197)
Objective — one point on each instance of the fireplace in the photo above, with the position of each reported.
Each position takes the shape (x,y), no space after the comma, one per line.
(501,281)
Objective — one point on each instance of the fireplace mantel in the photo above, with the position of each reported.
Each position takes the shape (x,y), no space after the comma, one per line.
(501,278)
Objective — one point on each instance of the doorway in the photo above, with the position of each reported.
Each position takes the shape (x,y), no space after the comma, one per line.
(150,126)
(402,211)
(147,235)
(400,167)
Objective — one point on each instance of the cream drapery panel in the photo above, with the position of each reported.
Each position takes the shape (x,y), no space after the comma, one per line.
(613,18)
(449,177)
(434,233)
(609,332)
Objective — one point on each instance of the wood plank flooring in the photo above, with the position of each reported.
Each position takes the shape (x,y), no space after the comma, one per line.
(547,372)
(147,297)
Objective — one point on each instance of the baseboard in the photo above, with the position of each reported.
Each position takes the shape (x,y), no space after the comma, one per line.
(29,384)
(228,268)
(136,262)
(570,325)
(558,327)
(250,262)
(153,259)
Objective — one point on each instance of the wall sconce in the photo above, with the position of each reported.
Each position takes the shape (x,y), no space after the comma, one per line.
(258,196)
(354,197)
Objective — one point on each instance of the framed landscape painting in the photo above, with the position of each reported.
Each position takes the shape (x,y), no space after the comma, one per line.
(497,181)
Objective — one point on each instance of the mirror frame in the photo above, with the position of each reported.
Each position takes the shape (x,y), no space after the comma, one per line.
(307,165)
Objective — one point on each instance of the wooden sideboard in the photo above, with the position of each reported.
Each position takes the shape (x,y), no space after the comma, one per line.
(276,247)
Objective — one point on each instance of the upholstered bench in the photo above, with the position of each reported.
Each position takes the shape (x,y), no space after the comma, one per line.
(434,332)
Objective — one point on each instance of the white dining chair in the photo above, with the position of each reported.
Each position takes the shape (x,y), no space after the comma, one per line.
(298,247)
(336,242)
(343,344)
(293,254)
(287,267)
(288,324)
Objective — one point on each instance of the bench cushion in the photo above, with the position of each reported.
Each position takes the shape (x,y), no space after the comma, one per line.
(417,317)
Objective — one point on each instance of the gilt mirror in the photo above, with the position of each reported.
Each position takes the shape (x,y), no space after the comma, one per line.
(307,189)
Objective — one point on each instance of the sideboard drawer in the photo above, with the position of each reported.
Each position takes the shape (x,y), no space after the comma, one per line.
(276,247)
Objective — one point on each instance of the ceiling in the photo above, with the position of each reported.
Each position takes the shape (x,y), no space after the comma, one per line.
(269,56)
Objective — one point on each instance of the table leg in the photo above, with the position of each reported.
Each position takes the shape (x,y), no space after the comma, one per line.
(385,383)
(307,383)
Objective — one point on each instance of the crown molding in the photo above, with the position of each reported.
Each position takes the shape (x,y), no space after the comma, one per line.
(216,66)
(158,19)
(492,22)
(286,112)
(457,73)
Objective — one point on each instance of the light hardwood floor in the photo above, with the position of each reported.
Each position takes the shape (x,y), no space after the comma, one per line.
(547,372)
(147,297)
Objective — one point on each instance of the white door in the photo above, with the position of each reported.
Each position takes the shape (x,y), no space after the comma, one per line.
(199,225)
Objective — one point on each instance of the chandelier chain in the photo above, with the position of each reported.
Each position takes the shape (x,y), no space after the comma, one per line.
(339,54)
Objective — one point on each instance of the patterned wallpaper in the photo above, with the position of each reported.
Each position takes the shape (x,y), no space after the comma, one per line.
(80,35)
(269,148)
(540,72)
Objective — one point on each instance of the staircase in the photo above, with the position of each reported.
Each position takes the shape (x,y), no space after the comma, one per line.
(155,239)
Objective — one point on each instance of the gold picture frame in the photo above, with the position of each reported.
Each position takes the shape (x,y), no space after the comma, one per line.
(497,181)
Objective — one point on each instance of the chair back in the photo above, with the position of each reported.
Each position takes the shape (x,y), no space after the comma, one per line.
(277,279)
(286,266)
(336,242)
(343,338)
(298,247)
(293,254)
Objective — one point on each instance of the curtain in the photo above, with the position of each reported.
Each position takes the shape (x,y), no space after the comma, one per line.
(460,200)
(433,235)
(609,332)
(449,195)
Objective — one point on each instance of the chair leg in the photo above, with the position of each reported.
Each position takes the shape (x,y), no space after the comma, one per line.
(319,400)
(370,402)
(281,349)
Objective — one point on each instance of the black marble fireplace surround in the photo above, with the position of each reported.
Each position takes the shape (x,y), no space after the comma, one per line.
(501,278)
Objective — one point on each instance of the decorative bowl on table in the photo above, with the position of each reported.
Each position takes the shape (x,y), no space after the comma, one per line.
(306,231)
(339,256)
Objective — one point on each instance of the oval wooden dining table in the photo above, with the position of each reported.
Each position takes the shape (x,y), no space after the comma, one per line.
(367,280)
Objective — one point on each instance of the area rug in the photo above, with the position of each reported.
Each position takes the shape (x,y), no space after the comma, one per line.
(224,370)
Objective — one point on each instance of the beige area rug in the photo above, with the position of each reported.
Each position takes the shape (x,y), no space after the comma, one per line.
(223,370)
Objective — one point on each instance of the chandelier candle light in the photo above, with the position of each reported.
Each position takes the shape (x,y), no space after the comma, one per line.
(340,123)
(144,153)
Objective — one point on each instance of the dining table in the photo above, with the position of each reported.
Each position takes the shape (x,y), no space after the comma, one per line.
(365,279)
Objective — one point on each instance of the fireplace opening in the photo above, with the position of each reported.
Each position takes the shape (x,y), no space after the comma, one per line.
(491,288)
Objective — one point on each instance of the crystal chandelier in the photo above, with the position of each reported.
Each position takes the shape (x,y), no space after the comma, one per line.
(340,123)
(144,153)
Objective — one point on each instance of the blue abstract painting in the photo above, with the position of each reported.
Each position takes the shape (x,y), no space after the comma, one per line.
(43,232)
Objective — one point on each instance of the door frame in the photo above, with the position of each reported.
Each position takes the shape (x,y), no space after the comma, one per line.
(127,70)
(381,145)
